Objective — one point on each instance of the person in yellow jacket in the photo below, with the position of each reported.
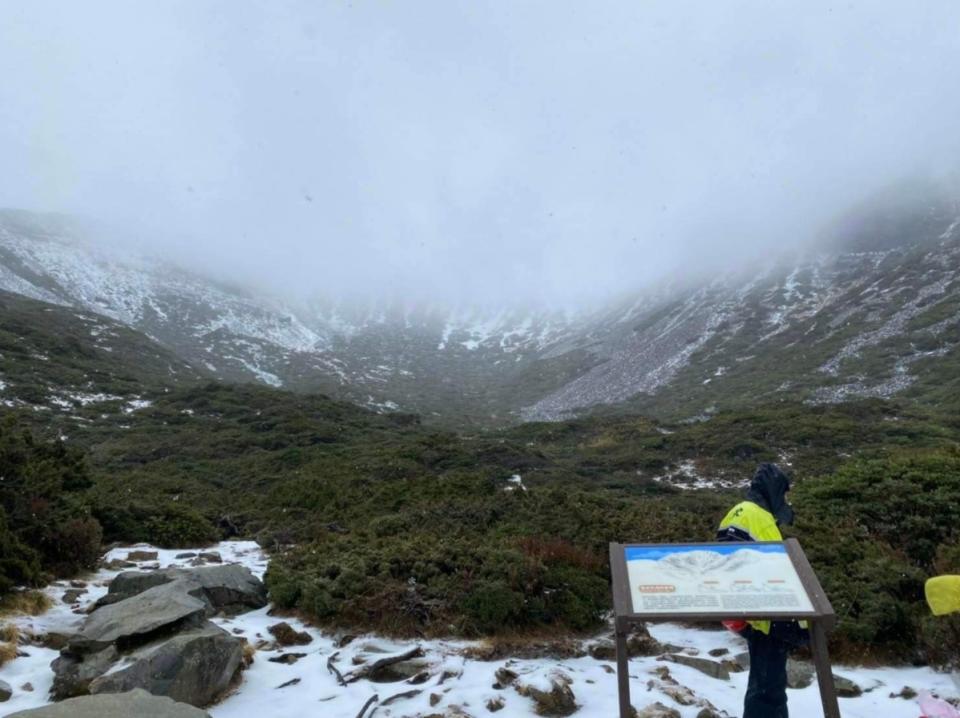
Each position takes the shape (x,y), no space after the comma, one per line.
(759,518)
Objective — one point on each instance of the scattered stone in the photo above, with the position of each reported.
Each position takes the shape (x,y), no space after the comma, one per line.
(658,710)
(709,713)
(907,693)
(210,556)
(603,651)
(608,669)
(6,692)
(287,658)
(293,682)
(505,677)
(434,699)
(800,674)
(710,668)
(117,564)
(28,687)
(846,688)
(78,584)
(558,701)
(681,694)
(194,667)
(186,554)
(137,703)
(73,673)
(717,652)
(287,636)
(421,677)
(495,704)
(142,555)
(73,595)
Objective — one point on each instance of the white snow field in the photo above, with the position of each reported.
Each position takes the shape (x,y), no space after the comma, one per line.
(318,692)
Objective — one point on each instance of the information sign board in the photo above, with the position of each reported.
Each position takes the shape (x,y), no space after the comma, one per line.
(764,581)
(698,578)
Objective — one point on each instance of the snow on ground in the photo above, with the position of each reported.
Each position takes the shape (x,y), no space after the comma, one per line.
(260,694)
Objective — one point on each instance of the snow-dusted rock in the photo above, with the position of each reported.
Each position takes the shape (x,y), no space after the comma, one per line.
(194,667)
(73,673)
(227,587)
(658,710)
(557,700)
(714,669)
(5,692)
(138,704)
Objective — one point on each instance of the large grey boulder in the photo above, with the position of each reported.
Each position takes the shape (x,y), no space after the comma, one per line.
(194,667)
(72,673)
(162,608)
(136,704)
(229,587)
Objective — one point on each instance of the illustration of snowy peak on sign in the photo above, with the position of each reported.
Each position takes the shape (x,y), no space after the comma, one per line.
(703,578)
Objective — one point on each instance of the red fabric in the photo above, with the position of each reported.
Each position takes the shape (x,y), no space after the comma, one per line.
(735,626)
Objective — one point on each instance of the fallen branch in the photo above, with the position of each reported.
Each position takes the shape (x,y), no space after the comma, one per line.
(383,663)
(401,696)
(373,699)
(333,669)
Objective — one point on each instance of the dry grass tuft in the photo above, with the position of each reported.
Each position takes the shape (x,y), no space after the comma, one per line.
(9,633)
(32,603)
(8,651)
(249,651)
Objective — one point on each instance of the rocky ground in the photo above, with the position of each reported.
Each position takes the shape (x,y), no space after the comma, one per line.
(194,626)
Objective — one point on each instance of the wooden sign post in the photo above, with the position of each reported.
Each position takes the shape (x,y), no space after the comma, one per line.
(713,582)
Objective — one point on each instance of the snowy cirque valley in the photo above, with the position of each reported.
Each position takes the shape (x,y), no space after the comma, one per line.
(451,678)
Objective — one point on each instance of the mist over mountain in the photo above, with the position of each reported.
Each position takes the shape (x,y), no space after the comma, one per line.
(478,155)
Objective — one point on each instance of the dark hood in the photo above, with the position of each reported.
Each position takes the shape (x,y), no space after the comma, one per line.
(769,489)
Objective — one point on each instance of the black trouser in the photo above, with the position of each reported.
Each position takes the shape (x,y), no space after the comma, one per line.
(767,685)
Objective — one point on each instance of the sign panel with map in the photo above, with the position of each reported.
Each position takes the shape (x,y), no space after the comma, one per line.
(701,578)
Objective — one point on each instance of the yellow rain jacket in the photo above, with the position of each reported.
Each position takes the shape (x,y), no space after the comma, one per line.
(749,522)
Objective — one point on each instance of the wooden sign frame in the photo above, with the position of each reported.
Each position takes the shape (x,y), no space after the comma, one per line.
(821,619)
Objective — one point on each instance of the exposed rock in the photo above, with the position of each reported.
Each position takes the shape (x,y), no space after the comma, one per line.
(658,710)
(73,673)
(186,554)
(6,692)
(78,584)
(211,556)
(505,677)
(287,636)
(846,688)
(434,699)
(710,713)
(603,651)
(142,555)
(800,674)
(420,678)
(558,701)
(135,704)
(717,652)
(54,640)
(28,687)
(907,693)
(495,704)
(117,564)
(72,595)
(710,668)
(742,660)
(287,658)
(133,620)
(194,667)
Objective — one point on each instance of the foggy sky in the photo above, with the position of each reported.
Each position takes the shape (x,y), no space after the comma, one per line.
(552,151)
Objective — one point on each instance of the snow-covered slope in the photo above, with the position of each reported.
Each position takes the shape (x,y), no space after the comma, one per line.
(823,326)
